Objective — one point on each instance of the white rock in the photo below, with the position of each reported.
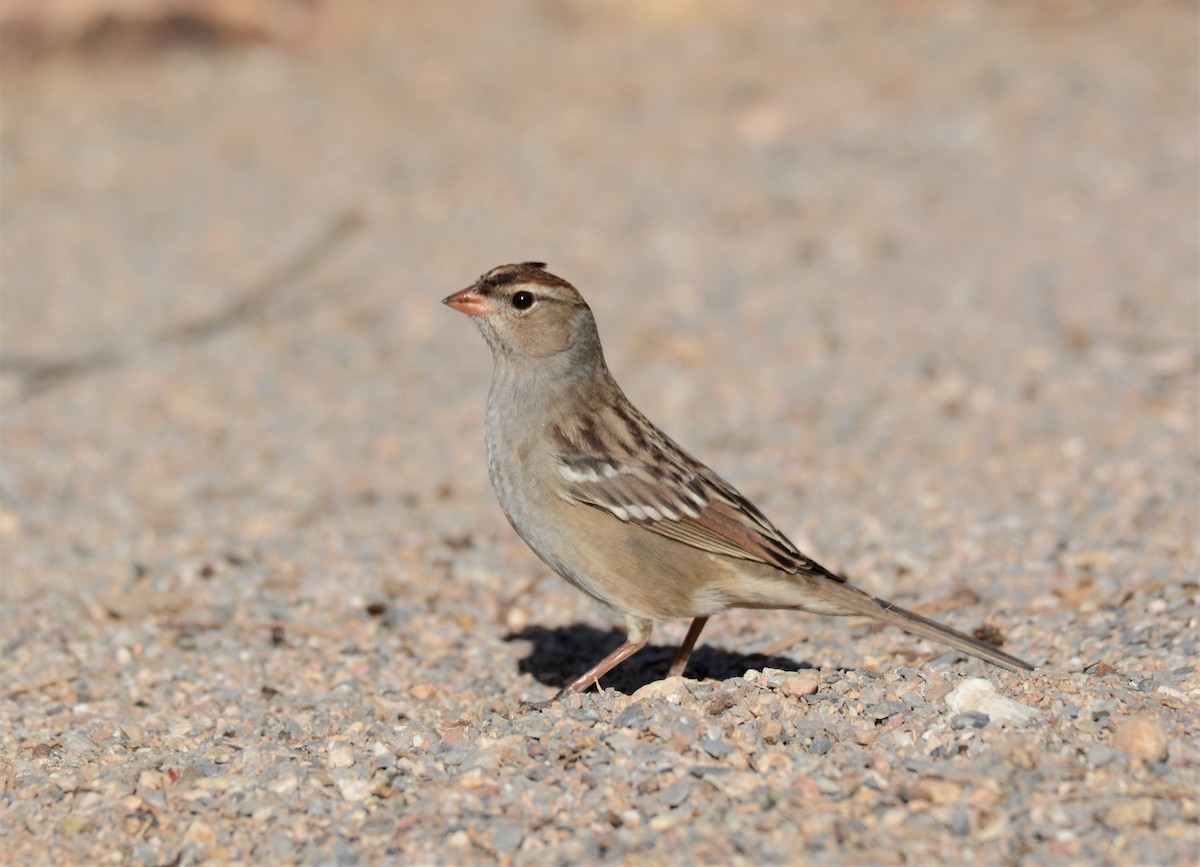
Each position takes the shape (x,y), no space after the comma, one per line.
(355,790)
(671,689)
(341,757)
(980,695)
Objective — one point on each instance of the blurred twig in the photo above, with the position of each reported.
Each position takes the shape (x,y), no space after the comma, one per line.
(40,373)
(37,686)
(273,625)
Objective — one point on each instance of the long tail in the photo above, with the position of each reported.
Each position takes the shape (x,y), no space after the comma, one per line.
(880,609)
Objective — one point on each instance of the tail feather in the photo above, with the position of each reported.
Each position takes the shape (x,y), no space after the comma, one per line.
(894,615)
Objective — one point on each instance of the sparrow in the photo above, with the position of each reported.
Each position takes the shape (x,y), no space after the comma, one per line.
(614,505)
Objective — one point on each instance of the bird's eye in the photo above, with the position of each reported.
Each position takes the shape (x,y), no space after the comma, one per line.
(522,300)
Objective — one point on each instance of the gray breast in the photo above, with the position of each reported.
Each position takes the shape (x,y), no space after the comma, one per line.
(518,465)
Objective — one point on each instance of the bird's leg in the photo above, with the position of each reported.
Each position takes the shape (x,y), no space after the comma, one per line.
(685,649)
(593,674)
(638,634)
(601,668)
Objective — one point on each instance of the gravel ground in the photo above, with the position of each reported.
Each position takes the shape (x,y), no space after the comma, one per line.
(919,278)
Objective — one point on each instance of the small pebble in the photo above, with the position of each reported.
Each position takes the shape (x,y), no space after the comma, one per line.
(1142,738)
(800,685)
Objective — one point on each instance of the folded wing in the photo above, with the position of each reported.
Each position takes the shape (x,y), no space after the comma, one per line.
(604,464)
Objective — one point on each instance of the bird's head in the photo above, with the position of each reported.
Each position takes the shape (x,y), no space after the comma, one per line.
(525,312)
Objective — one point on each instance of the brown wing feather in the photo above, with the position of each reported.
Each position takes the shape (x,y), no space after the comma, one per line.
(676,497)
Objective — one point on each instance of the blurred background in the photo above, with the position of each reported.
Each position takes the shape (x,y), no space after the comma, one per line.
(919,277)
(887,267)
(919,267)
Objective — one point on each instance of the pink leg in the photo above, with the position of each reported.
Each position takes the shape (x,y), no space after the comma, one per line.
(593,674)
(685,649)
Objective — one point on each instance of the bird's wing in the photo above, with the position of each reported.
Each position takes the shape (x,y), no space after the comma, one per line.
(616,460)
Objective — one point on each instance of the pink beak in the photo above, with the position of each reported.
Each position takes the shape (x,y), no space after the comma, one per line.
(467,301)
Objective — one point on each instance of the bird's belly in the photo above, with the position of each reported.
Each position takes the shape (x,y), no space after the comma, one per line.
(538,519)
(627,568)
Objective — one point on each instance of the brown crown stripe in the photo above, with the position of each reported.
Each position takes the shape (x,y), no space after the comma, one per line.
(528,272)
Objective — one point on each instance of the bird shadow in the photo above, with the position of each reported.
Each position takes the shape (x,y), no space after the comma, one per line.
(561,654)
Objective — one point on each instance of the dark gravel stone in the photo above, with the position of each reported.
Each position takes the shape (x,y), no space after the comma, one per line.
(971,719)
(676,794)
(716,749)
(636,716)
